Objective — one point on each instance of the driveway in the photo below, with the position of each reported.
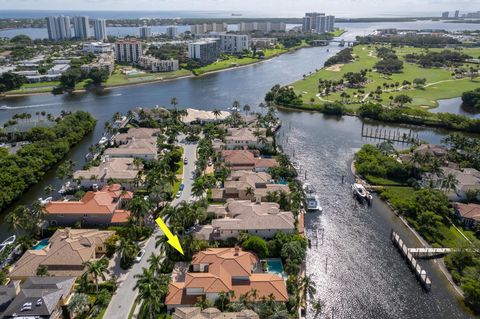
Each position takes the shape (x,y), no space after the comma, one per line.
(123,299)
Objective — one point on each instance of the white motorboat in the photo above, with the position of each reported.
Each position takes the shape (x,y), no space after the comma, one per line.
(103,140)
(45,201)
(361,192)
(313,202)
(10,240)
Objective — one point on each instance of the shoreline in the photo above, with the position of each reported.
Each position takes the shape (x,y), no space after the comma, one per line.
(192,75)
(439,262)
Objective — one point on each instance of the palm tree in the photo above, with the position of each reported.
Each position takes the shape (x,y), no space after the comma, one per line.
(42,271)
(249,192)
(246,108)
(137,162)
(216,113)
(17,218)
(148,292)
(174,102)
(78,304)
(127,251)
(139,208)
(97,269)
(198,187)
(155,262)
(450,182)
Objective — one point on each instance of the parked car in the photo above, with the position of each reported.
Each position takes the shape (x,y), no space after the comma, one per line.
(210,162)
(185,161)
(178,194)
(140,255)
(182,187)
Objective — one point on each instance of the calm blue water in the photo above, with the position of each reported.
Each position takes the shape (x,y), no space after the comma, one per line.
(275,266)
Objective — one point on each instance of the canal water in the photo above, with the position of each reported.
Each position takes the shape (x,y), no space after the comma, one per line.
(365,277)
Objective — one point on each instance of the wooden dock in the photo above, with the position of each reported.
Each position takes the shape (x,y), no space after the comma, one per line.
(420,273)
(429,252)
(389,135)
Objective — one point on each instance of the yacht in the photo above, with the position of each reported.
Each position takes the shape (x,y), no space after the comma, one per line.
(103,140)
(313,202)
(10,240)
(360,192)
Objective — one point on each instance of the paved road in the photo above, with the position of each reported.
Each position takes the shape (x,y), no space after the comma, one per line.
(124,297)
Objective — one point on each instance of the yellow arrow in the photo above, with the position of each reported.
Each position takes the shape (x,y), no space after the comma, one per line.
(172,240)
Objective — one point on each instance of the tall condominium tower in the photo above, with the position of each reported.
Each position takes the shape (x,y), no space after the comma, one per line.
(81,27)
(59,28)
(100,29)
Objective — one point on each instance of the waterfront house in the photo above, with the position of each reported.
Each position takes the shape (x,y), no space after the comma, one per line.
(245,160)
(104,207)
(217,270)
(64,254)
(469,214)
(211,313)
(468,180)
(246,137)
(137,142)
(194,116)
(120,170)
(238,185)
(39,297)
(244,216)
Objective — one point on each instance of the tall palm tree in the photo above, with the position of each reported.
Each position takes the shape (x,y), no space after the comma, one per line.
(17,218)
(155,262)
(246,108)
(450,182)
(216,113)
(174,102)
(97,269)
(148,292)
(127,251)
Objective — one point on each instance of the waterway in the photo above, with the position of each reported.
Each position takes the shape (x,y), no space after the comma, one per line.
(365,277)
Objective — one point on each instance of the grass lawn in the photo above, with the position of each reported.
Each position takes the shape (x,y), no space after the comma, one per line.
(230,62)
(451,237)
(374,180)
(440,83)
(176,186)
(338,32)
(180,163)
(117,78)
(132,310)
(39,87)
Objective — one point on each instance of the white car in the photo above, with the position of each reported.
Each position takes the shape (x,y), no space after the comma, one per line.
(140,255)
(178,194)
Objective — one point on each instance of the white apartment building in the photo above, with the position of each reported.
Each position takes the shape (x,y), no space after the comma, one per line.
(128,51)
(172,32)
(206,50)
(59,28)
(97,48)
(209,27)
(157,65)
(104,61)
(100,29)
(262,26)
(81,27)
(234,43)
(145,32)
(318,22)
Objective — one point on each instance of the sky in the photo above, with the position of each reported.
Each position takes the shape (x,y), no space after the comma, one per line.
(268,8)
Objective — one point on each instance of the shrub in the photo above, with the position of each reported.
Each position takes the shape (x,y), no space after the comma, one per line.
(257,245)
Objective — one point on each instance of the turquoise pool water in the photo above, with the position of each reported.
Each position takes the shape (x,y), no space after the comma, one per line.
(275,266)
(42,244)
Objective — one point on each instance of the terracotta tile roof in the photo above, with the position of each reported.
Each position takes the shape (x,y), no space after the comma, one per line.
(105,201)
(68,249)
(224,266)
(137,134)
(470,211)
(244,158)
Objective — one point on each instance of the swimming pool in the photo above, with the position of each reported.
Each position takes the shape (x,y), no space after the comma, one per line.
(42,244)
(275,266)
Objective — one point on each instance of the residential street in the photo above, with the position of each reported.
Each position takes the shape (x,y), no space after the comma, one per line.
(122,301)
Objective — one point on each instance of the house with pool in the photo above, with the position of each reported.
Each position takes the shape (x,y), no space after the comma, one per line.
(217,270)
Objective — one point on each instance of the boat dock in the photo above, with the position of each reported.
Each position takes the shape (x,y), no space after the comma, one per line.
(419,272)
(429,252)
(389,135)
(315,238)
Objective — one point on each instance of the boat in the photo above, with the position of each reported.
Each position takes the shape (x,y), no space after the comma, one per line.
(313,202)
(45,201)
(236,14)
(10,240)
(103,140)
(361,193)
(65,188)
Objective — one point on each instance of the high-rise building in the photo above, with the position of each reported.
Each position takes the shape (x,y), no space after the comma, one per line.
(100,29)
(206,50)
(172,32)
(81,27)
(318,22)
(208,27)
(234,43)
(59,28)
(445,15)
(330,24)
(128,51)
(457,14)
(145,32)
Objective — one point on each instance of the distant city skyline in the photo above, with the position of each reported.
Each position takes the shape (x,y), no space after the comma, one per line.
(271,8)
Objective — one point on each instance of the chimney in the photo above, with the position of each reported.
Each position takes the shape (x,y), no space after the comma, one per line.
(69,233)
(258,199)
(237,250)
